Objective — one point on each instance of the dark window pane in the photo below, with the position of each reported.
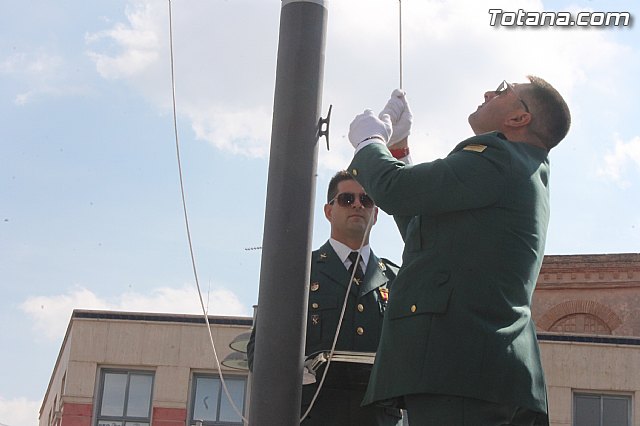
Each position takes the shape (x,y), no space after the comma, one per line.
(586,410)
(615,411)
(236,390)
(206,399)
(139,395)
(113,394)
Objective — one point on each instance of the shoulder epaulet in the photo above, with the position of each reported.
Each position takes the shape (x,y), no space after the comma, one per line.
(389,264)
(475,147)
(480,143)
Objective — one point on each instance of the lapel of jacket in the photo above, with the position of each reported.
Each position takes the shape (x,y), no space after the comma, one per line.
(374,277)
(329,264)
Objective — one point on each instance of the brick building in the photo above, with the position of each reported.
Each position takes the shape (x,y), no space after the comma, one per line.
(587,313)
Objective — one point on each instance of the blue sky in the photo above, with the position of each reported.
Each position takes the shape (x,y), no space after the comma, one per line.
(90,210)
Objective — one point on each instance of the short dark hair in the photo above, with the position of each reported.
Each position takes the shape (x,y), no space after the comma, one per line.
(551,118)
(341,176)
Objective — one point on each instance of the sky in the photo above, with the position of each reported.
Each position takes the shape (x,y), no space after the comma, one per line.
(90,208)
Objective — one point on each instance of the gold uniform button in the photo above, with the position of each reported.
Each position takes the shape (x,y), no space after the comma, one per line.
(354,172)
(360,307)
(360,331)
(314,306)
(413,308)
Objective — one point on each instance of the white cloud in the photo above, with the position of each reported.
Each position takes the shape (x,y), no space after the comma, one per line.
(243,132)
(225,74)
(137,43)
(222,86)
(617,162)
(50,314)
(36,63)
(52,90)
(41,71)
(39,74)
(18,412)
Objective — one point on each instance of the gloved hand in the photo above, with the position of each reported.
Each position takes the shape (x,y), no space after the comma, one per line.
(367,126)
(398,110)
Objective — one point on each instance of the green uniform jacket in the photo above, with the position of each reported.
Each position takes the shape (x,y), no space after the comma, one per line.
(474,226)
(362,323)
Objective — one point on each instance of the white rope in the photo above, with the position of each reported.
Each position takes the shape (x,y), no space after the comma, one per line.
(400,38)
(186,221)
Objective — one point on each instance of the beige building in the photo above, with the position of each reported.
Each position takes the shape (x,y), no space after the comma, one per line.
(140,369)
(587,312)
(135,369)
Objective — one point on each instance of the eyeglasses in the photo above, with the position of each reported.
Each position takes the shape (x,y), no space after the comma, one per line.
(503,88)
(347,199)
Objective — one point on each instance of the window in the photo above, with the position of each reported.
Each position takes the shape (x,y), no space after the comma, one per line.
(125,398)
(209,402)
(581,323)
(601,410)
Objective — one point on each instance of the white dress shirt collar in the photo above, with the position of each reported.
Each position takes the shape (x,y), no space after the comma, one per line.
(343,251)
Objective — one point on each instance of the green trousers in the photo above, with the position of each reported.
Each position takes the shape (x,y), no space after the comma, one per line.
(439,410)
(341,407)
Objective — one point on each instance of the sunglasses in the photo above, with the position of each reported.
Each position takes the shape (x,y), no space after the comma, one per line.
(503,88)
(347,199)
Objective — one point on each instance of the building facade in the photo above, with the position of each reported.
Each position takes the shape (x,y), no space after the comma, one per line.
(587,313)
(139,369)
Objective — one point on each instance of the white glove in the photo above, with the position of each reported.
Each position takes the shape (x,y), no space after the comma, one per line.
(367,126)
(397,108)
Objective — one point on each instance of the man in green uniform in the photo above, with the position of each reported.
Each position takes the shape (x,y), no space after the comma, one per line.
(458,344)
(349,211)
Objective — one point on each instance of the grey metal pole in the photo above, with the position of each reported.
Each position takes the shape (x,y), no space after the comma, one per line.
(276,387)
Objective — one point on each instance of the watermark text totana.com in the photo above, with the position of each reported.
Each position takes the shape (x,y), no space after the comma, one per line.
(522,18)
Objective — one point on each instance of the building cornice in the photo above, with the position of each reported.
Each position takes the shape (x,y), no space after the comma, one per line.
(160,317)
(591,271)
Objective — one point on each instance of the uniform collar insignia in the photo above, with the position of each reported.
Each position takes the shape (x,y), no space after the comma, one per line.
(382,265)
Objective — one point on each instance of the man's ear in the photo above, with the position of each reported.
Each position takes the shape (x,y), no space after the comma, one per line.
(518,119)
(327,211)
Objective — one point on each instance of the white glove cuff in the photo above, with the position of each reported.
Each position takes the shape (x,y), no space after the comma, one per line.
(369,141)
